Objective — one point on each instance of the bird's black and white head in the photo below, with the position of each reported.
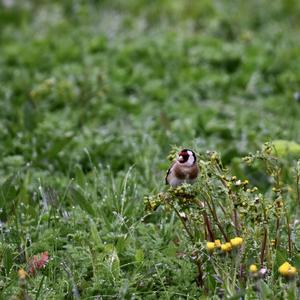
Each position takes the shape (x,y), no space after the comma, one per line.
(186,157)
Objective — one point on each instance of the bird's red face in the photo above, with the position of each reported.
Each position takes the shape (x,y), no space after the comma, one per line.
(183,156)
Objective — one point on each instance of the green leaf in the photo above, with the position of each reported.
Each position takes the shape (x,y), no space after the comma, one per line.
(79,176)
(95,235)
(29,116)
(139,256)
(9,189)
(7,259)
(80,199)
(292,292)
(296,261)
(266,292)
(115,263)
(112,260)
(285,148)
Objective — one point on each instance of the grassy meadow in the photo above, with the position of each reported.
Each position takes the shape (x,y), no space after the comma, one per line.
(95,95)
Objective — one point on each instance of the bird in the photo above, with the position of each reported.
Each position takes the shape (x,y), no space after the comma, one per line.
(184,169)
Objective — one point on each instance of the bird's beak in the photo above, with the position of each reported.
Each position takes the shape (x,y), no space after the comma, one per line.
(180,158)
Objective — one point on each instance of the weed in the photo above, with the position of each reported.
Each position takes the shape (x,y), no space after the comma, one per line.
(231,227)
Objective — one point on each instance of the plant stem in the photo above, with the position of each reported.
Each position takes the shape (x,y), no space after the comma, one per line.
(199,278)
(207,222)
(191,236)
(232,197)
(208,226)
(277,232)
(215,217)
(263,248)
(289,237)
(236,222)
(298,188)
(40,288)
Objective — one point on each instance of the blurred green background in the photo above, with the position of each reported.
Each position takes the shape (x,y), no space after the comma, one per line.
(97,92)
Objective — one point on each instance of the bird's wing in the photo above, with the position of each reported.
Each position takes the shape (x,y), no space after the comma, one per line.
(168,172)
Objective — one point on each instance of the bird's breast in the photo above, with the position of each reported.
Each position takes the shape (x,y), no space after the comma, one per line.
(184,172)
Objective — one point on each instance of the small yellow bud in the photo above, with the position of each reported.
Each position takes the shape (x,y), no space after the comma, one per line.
(218,243)
(287,270)
(223,247)
(253,268)
(210,246)
(237,241)
(226,247)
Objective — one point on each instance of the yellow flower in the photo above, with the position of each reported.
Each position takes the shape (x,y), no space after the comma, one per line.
(210,246)
(226,247)
(22,273)
(253,268)
(237,241)
(218,243)
(287,270)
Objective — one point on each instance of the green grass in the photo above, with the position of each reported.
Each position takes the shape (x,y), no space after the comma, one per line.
(94,94)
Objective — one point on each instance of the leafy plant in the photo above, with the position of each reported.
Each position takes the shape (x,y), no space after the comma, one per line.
(229,226)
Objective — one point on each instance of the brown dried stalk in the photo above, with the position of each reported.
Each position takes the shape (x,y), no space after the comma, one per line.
(263,247)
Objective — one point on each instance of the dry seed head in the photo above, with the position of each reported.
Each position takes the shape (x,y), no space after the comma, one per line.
(279,203)
(22,274)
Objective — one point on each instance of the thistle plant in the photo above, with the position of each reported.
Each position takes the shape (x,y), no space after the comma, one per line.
(240,237)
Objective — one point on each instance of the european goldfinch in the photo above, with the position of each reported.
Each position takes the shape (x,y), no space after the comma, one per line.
(183,170)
